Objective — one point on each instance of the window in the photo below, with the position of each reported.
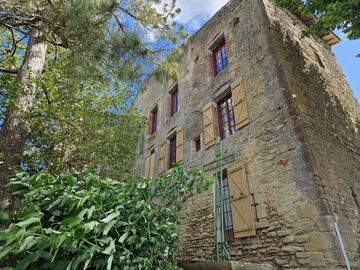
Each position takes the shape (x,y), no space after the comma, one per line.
(226,117)
(153,122)
(174,101)
(227,214)
(220,59)
(197,144)
(172,151)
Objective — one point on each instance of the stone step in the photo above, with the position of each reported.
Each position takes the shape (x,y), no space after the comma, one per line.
(215,265)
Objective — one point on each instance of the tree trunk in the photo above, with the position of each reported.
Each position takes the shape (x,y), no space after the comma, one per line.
(15,128)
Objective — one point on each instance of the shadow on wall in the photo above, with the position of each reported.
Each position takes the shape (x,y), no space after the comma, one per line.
(333,130)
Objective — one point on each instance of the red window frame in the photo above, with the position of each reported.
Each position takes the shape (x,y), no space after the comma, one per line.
(226,116)
(172,151)
(174,101)
(154,118)
(220,58)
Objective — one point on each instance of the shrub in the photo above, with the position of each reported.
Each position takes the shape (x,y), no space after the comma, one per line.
(80,221)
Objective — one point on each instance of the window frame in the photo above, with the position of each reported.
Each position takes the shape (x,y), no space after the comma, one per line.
(231,124)
(154,120)
(226,206)
(174,101)
(218,49)
(197,144)
(172,151)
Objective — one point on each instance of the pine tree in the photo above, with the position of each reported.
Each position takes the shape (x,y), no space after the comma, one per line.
(104,40)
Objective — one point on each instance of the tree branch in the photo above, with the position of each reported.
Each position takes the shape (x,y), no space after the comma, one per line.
(9,71)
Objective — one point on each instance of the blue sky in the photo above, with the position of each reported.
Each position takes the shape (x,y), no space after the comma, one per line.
(195,13)
(345,52)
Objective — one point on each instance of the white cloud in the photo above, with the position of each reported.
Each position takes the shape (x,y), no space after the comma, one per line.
(193,11)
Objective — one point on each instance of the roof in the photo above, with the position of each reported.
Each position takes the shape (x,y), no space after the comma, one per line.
(327,36)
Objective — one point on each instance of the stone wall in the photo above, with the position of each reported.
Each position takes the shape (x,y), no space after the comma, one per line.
(277,148)
(330,117)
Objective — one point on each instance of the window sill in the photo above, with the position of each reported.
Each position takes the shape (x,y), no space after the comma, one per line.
(151,137)
(221,73)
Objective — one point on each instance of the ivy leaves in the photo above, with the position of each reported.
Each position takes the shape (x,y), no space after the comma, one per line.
(80,221)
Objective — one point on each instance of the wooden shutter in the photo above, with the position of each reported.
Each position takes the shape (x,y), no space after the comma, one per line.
(147,166)
(243,219)
(239,103)
(209,136)
(180,146)
(162,158)
(152,165)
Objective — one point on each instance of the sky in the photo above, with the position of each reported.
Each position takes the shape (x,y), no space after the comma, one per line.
(194,13)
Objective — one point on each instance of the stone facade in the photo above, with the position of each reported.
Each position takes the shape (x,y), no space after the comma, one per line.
(300,148)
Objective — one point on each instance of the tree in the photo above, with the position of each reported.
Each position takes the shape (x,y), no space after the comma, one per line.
(103,41)
(84,125)
(80,221)
(331,14)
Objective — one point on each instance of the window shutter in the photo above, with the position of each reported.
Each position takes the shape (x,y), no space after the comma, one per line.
(243,220)
(162,158)
(152,165)
(180,146)
(239,103)
(147,166)
(209,137)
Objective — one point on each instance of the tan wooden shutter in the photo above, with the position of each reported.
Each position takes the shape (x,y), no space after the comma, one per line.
(239,103)
(152,165)
(243,219)
(147,166)
(180,146)
(209,136)
(162,158)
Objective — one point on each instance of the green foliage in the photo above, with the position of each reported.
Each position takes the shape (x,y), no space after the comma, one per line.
(80,221)
(331,14)
(98,52)
(107,38)
(78,124)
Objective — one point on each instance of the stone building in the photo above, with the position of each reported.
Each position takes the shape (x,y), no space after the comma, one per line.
(289,128)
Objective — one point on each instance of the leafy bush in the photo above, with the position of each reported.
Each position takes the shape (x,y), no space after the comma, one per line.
(79,221)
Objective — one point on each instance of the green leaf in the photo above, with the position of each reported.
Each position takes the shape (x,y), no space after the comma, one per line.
(123,237)
(109,262)
(72,221)
(25,223)
(110,249)
(5,250)
(4,217)
(110,217)
(108,227)
(27,243)
(89,226)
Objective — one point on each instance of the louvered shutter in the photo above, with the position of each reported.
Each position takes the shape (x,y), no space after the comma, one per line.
(147,166)
(162,158)
(243,219)
(239,104)
(209,136)
(152,165)
(180,146)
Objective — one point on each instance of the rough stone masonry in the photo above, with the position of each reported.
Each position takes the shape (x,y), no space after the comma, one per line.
(294,142)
